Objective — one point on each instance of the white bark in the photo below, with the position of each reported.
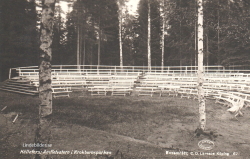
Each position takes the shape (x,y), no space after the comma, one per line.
(43,132)
(149,37)
(45,92)
(195,44)
(120,32)
(163,35)
(202,112)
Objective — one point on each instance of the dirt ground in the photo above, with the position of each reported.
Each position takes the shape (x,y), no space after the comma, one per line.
(122,127)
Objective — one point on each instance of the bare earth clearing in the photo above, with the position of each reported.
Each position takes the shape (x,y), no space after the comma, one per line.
(128,127)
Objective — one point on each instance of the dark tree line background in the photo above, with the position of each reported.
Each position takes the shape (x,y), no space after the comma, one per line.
(226,30)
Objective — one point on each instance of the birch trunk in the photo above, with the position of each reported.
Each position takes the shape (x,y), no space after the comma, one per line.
(195,35)
(45,91)
(149,37)
(202,112)
(120,32)
(195,45)
(163,35)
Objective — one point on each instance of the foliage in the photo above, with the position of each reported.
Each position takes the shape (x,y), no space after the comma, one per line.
(226,33)
(19,38)
(181,34)
(141,31)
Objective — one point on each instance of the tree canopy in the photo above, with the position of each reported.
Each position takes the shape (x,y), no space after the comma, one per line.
(92,28)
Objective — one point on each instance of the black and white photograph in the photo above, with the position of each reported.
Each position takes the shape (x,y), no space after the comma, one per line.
(124,79)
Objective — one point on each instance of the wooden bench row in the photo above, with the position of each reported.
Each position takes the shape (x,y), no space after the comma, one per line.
(86,83)
(61,92)
(172,90)
(146,83)
(194,79)
(189,84)
(115,90)
(195,74)
(79,73)
(229,98)
(146,90)
(83,77)
(235,95)
(234,102)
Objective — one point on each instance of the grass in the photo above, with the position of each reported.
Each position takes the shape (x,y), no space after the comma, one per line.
(108,113)
(137,126)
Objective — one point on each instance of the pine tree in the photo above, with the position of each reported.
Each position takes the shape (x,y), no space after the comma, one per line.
(148,34)
(19,41)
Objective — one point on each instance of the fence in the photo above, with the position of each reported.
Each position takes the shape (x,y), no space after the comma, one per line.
(114,69)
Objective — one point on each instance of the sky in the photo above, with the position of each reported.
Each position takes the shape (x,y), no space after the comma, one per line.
(132,5)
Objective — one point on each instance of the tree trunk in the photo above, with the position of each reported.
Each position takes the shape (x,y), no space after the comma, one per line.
(180,47)
(78,38)
(202,112)
(45,91)
(99,43)
(120,35)
(195,35)
(207,50)
(149,37)
(195,44)
(120,4)
(91,56)
(218,31)
(163,35)
(84,51)
(79,34)
(59,31)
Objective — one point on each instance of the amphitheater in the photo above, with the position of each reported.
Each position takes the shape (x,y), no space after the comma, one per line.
(227,86)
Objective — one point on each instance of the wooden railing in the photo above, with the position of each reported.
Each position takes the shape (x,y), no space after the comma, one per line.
(208,70)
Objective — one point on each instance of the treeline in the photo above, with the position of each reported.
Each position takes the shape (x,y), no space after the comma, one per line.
(19,42)
(90,33)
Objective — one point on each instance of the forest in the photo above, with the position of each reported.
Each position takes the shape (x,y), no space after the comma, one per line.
(102,32)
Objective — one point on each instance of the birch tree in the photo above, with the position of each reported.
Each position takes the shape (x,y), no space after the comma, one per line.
(163,33)
(45,91)
(202,113)
(149,37)
(79,32)
(120,6)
